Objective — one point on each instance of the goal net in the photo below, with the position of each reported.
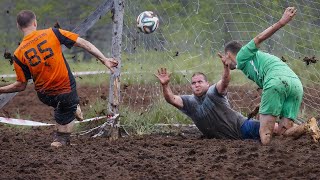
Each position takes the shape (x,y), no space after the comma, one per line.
(190,35)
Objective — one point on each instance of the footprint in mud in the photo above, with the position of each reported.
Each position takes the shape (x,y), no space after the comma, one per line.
(222,150)
(314,147)
(200,171)
(5,139)
(220,158)
(161,158)
(191,152)
(279,162)
(271,150)
(191,159)
(216,166)
(253,155)
(247,164)
(241,152)
(241,176)
(254,148)
(138,166)
(167,144)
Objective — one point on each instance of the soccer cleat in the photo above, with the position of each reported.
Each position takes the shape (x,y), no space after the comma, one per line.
(56,144)
(312,128)
(78,113)
(61,139)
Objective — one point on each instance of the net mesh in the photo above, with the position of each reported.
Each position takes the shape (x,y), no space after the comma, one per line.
(192,32)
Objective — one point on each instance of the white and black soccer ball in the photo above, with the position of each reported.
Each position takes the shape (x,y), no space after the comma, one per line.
(147,22)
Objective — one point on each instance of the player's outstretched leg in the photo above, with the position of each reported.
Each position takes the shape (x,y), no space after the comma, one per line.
(296,131)
(267,123)
(310,127)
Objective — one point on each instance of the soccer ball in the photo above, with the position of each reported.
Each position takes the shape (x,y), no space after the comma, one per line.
(147,22)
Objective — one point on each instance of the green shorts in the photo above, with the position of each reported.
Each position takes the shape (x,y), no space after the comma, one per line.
(282,96)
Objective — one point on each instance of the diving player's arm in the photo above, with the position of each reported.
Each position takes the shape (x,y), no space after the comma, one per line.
(287,16)
(222,85)
(170,97)
(164,78)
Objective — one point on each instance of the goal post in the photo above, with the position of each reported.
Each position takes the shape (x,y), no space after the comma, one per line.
(114,90)
(114,86)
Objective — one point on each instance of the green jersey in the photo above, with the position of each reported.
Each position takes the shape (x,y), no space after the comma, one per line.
(260,66)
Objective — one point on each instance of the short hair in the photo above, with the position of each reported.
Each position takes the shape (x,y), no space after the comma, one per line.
(233,46)
(25,17)
(200,73)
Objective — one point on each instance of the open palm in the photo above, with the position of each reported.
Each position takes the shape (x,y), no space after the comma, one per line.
(163,76)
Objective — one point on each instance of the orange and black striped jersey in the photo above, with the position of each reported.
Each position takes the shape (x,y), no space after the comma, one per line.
(39,56)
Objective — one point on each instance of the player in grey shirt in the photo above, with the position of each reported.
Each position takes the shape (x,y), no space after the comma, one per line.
(210,110)
(212,114)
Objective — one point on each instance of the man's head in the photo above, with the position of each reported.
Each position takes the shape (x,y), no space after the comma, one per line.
(231,50)
(26,19)
(199,84)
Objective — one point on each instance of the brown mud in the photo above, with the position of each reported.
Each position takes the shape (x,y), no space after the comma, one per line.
(26,153)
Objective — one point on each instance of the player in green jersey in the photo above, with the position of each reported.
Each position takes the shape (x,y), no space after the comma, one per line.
(282,89)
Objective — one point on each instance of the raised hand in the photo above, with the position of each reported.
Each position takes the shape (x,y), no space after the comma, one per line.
(110,63)
(163,76)
(288,15)
(223,60)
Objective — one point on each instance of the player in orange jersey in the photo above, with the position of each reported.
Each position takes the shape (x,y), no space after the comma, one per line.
(39,57)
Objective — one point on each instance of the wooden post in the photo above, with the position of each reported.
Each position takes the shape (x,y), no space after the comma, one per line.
(114,89)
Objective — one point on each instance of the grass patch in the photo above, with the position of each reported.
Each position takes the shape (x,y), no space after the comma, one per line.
(143,122)
(137,122)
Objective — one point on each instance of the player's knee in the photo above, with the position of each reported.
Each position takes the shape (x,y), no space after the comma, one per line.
(265,138)
(266,129)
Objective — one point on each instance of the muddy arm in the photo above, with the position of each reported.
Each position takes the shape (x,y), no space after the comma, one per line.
(14,87)
(287,16)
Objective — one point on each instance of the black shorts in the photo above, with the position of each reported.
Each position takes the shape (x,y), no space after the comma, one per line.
(65,106)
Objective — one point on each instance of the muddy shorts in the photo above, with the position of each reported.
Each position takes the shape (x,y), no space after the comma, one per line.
(281,96)
(65,106)
(250,129)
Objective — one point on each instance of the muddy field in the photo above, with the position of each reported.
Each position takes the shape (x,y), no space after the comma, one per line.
(26,153)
